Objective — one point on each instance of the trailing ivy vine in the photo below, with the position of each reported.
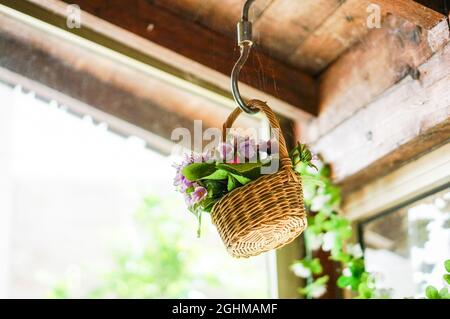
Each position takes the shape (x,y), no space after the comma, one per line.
(329,231)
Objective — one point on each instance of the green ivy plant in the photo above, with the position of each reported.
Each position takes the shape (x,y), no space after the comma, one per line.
(433,293)
(329,231)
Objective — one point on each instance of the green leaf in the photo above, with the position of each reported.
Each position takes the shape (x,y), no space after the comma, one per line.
(326,170)
(322,280)
(199,229)
(447,278)
(302,291)
(249,170)
(232,183)
(432,293)
(328,225)
(196,171)
(364,291)
(356,266)
(447,265)
(316,266)
(208,203)
(346,232)
(444,294)
(239,168)
(241,179)
(312,180)
(216,189)
(342,257)
(220,174)
(344,281)
(320,218)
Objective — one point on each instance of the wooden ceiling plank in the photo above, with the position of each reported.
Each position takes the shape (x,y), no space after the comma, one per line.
(102,83)
(207,47)
(345,27)
(170,66)
(348,25)
(385,57)
(220,16)
(416,13)
(223,16)
(441,6)
(193,10)
(406,121)
(286,24)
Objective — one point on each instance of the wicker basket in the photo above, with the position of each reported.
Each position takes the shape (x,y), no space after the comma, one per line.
(267,213)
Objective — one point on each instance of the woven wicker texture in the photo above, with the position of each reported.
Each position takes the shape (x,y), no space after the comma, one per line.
(267,213)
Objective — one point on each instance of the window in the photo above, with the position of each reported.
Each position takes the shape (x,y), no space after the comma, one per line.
(85,212)
(406,245)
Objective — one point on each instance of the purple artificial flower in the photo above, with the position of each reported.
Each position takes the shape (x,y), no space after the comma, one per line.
(247,148)
(180,181)
(198,194)
(192,192)
(188,199)
(270,146)
(177,179)
(226,152)
(189,159)
(198,158)
(185,184)
(209,156)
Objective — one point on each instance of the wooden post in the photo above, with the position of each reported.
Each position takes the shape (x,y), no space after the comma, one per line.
(288,283)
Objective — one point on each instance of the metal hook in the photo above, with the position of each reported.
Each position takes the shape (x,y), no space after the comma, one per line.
(245,42)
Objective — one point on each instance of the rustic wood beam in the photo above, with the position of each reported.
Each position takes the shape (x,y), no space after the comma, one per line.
(220,16)
(414,12)
(87,76)
(176,68)
(285,25)
(345,27)
(442,6)
(209,48)
(385,57)
(408,120)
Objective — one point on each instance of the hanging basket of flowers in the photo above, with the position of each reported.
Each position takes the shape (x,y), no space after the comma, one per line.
(253,212)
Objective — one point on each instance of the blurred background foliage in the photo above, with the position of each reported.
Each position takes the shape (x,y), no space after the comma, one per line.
(164,266)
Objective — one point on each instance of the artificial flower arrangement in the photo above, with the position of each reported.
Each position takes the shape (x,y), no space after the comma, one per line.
(251,190)
(204,179)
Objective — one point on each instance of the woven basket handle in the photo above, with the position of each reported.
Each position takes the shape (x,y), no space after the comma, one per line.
(285,161)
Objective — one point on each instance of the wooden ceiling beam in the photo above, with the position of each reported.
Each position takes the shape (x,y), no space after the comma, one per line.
(86,77)
(385,101)
(441,6)
(286,24)
(414,12)
(408,120)
(343,28)
(385,57)
(216,51)
(220,16)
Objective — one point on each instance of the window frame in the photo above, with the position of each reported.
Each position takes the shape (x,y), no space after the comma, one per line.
(413,181)
(412,200)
